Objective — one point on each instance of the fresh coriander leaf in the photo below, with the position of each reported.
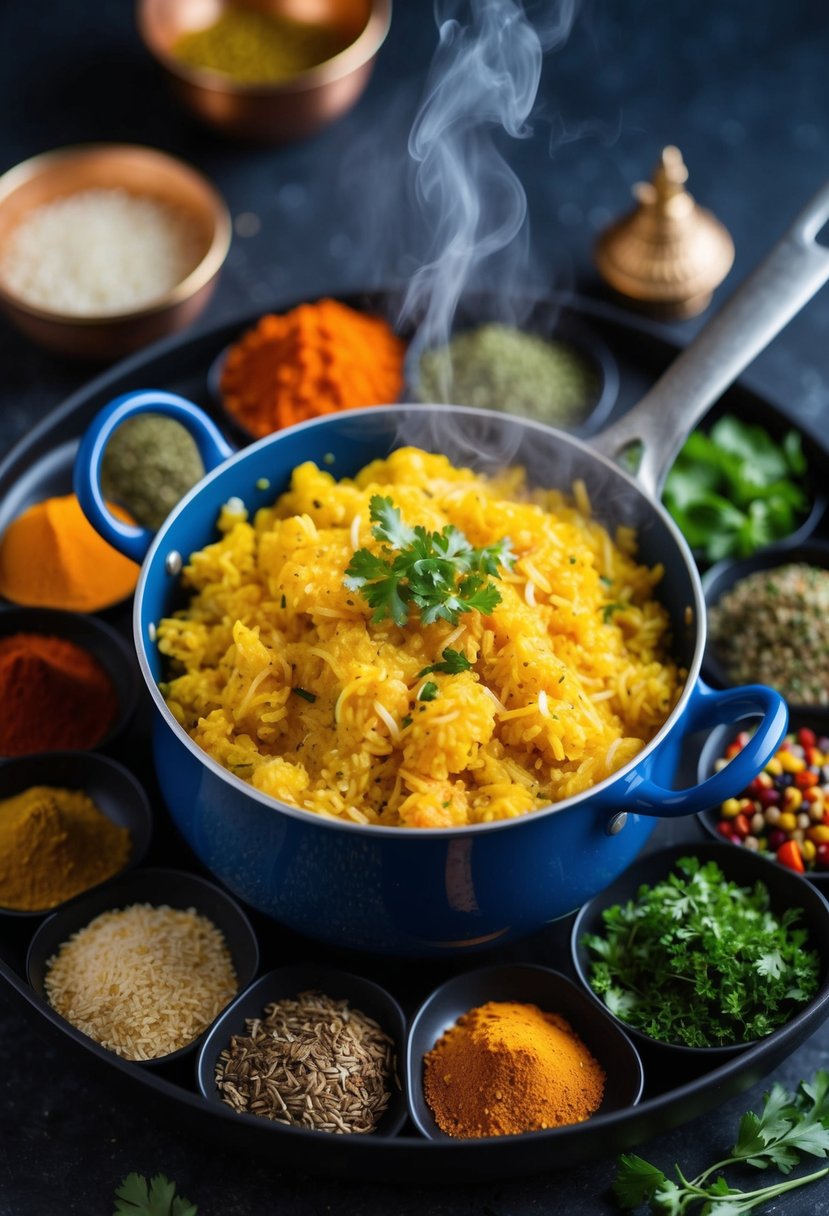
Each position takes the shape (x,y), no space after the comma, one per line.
(134,1197)
(388,523)
(731,491)
(636,1181)
(305,694)
(428,692)
(454,661)
(424,569)
(406,721)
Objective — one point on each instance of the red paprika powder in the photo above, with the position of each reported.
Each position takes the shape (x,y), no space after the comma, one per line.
(53,695)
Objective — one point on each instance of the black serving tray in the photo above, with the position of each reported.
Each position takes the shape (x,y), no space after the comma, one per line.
(41,464)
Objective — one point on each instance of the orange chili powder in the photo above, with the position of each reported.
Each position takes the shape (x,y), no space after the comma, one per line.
(316,359)
(506,1068)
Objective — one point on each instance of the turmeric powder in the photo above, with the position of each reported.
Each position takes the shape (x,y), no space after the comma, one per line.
(52,557)
(506,1068)
(316,359)
(55,843)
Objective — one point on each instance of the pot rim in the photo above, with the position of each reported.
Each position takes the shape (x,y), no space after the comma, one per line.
(549,434)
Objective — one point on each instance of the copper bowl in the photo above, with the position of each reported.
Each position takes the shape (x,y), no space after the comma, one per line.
(140,171)
(269,113)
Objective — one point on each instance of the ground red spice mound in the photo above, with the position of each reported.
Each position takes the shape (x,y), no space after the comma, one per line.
(53,695)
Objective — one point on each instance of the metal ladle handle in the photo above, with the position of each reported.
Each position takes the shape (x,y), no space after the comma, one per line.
(768,299)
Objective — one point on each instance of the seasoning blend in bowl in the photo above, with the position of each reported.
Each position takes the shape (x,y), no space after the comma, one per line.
(144,964)
(769,621)
(701,951)
(318,358)
(500,367)
(270,72)
(783,813)
(105,247)
(68,821)
(311,1048)
(512,1049)
(67,681)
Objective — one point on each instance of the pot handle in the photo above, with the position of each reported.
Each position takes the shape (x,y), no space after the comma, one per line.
(706,709)
(130,539)
(785,280)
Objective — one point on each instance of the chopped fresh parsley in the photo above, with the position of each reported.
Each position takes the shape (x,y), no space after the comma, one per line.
(609,609)
(428,692)
(305,694)
(453,662)
(788,1125)
(439,573)
(135,1197)
(407,721)
(701,961)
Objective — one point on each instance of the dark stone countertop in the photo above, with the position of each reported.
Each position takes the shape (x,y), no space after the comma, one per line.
(740,87)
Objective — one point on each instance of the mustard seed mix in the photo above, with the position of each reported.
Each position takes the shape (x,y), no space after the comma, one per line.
(142,981)
(311,1062)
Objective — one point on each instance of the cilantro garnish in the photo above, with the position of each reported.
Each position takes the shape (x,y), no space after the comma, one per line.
(305,694)
(701,961)
(737,489)
(428,692)
(439,573)
(134,1197)
(788,1125)
(453,662)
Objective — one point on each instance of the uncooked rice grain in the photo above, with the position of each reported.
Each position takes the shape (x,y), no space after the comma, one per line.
(142,981)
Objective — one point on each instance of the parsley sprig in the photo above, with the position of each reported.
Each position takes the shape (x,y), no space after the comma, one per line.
(136,1197)
(698,960)
(439,573)
(789,1125)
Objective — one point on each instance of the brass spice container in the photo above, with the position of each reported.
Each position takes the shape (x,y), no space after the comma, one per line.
(669,253)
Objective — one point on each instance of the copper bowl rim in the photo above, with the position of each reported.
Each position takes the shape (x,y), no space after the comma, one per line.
(201,274)
(349,59)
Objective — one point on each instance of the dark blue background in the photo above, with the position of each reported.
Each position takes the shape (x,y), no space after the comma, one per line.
(740,85)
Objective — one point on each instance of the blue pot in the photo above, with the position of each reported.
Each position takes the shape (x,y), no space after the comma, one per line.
(415,891)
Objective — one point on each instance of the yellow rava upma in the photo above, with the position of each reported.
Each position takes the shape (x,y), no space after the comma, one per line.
(279,673)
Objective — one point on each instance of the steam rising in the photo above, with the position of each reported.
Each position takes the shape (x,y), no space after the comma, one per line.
(483,80)
(481,87)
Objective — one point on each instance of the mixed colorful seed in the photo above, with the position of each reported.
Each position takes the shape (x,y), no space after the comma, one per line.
(785,809)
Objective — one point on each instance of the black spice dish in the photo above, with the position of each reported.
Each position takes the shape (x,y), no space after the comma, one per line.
(776,632)
(286,984)
(99,639)
(782,816)
(158,888)
(744,869)
(112,787)
(526,983)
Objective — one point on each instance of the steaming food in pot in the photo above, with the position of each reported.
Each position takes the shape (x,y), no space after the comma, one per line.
(420,646)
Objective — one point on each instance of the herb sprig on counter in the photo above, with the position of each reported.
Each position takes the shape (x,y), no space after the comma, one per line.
(735,489)
(789,1125)
(700,961)
(439,573)
(136,1197)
